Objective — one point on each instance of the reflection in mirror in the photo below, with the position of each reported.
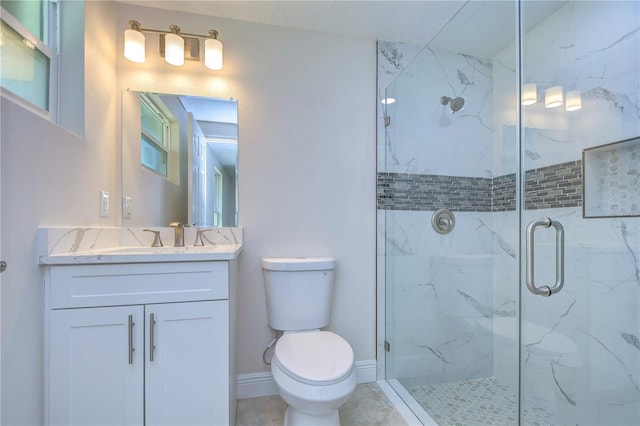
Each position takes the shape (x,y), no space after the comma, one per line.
(179,160)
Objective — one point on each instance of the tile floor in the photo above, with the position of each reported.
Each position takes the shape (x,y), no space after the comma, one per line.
(476,402)
(368,406)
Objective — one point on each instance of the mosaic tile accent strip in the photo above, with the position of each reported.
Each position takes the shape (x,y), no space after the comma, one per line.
(503,191)
(555,186)
(403,191)
(476,402)
(559,185)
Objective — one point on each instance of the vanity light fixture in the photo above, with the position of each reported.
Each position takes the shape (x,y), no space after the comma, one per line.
(574,100)
(529,94)
(175,46)
(553,97)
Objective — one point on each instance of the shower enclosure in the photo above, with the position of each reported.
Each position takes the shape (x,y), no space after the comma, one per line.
(509,218)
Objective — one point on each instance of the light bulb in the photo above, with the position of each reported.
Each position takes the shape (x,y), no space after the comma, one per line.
(134,45)
(553,97)
(174,49)
(529,94)
(574,100)
(213,54)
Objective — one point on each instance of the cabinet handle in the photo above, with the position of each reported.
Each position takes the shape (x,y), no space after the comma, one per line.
(131,348)
(152,326)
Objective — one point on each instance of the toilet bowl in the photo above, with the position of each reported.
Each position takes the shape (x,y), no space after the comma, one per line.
(315,375)
(313,369)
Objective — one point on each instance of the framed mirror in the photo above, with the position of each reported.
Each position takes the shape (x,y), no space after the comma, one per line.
(179,160)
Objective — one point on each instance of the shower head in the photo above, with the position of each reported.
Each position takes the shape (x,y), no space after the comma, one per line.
(455,104)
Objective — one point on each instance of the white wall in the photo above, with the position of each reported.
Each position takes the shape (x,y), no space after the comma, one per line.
(306,104)
(49,178)
(307,174)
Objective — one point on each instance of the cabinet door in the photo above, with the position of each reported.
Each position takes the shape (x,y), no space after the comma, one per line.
(187,363)
(96,370)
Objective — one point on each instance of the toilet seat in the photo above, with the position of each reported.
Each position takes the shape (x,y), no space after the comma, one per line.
(315,357)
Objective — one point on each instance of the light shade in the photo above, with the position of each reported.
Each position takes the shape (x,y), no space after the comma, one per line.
(574,100)
(388,101)
(553,97)
(174,49)
(134,45)
(529,94)
(213,54)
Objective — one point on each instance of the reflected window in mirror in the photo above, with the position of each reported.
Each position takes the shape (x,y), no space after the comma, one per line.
(217,206)
(155,136)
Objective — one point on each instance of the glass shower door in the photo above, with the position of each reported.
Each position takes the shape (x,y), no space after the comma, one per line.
(580,239)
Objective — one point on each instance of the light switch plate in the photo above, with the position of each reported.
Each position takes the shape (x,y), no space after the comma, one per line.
(104,204)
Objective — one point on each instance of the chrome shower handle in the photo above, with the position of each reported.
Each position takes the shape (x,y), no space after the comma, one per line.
(529,258)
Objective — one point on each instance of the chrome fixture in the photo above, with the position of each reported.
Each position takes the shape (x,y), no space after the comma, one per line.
(157,241)
(544,290)
(178,240)
(443,221)
(455,104)
(175,46)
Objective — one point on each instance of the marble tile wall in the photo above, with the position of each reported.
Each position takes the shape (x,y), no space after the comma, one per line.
(581,360)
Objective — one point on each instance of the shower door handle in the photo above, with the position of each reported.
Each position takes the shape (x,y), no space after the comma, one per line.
(545,290)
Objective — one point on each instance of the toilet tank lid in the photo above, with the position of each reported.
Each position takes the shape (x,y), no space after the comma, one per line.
(298,263)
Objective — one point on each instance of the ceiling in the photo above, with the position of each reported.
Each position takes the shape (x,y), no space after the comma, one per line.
(414,22)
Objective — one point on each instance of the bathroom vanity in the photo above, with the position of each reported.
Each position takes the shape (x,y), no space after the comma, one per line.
(140,336)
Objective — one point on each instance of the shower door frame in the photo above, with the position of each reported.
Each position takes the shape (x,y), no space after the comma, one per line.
(522,220)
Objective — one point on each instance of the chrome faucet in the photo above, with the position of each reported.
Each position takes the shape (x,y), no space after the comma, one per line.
(178,240)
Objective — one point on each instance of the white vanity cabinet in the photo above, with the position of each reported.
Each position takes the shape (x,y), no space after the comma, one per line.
(141,343)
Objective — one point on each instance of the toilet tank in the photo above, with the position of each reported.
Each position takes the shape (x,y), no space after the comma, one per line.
(298,292)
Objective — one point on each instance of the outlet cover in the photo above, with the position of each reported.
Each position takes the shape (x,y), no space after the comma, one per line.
(127,207)
(104,204)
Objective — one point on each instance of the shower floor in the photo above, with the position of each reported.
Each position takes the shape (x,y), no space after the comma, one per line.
(475,402)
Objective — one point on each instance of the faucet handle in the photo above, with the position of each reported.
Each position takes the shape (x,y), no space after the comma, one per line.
(157,242)
(199,232)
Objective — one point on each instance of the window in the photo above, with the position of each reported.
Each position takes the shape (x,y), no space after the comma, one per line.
(155,137)
(28,59)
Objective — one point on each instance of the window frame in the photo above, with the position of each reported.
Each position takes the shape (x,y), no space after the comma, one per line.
(50,50)
(145,135)
(218,197)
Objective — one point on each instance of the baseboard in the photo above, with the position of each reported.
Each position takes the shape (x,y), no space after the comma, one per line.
(254,385)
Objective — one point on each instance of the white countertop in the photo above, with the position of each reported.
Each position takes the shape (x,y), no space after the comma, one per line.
(144,255)
(78,245)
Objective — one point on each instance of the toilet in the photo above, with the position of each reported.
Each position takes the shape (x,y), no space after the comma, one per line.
(313,369)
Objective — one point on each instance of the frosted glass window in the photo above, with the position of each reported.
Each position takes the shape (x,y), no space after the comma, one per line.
(24,70)
(153,157)
(30,14)
(154,124)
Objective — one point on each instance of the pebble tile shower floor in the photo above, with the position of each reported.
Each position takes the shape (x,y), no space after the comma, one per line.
(475,402)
